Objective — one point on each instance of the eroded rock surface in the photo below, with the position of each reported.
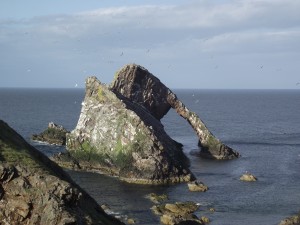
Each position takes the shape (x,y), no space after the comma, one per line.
(34,190)
(119,137)
(119,131)
(140,86)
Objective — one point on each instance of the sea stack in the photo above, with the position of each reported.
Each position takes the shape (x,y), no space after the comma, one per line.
(120,137)
(119,131)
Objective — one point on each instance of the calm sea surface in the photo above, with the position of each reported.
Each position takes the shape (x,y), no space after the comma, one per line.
(263,125)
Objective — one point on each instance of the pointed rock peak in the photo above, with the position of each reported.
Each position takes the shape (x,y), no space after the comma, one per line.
(139,85)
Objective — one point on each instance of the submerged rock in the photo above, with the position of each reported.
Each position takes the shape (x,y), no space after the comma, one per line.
(34,190)
(197,186)
(248,177)
(54,135)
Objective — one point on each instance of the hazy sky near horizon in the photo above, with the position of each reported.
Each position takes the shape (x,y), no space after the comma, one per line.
(216,44)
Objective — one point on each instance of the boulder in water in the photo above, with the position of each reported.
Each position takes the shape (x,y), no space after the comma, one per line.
(197,186)
(248,177)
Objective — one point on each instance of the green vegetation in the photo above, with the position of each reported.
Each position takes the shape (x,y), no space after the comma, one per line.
(55,133)
(101,95)
(123,153)
(13,156)
(15,150)
(212,142)
(88,153)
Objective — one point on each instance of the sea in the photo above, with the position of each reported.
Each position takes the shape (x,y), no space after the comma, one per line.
(262,125)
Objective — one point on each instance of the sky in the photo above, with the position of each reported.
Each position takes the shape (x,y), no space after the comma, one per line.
(199,44)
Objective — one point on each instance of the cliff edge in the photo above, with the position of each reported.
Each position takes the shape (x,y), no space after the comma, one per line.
(34,190)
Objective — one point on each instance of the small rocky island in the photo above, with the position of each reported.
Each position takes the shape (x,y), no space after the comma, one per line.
(34,190)
(54,135)
(119,131)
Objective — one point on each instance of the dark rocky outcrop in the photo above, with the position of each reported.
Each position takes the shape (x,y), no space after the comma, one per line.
(54,135)
(140,86)
(34,190)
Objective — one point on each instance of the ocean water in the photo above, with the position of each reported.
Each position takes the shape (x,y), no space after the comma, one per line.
(262,125)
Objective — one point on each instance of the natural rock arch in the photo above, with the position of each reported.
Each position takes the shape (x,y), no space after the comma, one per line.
(140,86)
(119,131)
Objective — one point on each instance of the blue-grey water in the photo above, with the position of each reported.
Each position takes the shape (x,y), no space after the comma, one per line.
(263,125)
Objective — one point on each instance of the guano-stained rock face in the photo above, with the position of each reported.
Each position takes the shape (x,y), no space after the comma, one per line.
(119,131)
(120,137)
(142,87)
(34,190)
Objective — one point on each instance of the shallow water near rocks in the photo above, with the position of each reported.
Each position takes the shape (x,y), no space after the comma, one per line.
(262,125)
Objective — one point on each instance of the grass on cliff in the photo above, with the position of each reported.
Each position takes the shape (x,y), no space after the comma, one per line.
(101,95)
(15,150)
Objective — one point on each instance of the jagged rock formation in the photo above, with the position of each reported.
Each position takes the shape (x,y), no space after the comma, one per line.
(120,137)
(140,86)
(119,131)
(54,135)
(34,190)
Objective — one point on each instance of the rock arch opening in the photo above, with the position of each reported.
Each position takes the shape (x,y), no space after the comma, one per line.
(140,86)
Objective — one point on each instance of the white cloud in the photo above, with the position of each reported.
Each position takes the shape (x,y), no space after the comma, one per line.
(158,35)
